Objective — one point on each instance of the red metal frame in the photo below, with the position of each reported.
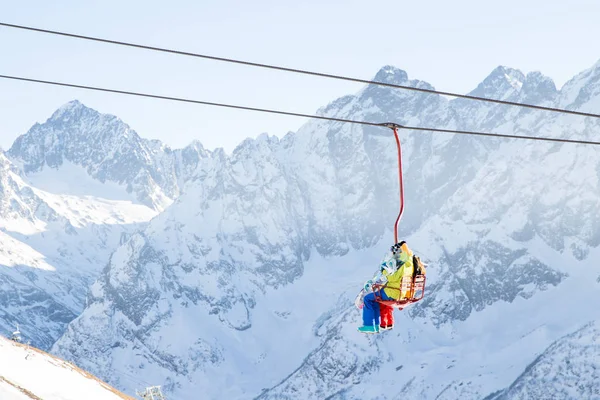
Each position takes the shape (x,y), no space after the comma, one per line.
(401,184)
(416,288)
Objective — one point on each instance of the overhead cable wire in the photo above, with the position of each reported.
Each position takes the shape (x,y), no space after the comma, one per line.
(321,117)
(184,100)
(299,71)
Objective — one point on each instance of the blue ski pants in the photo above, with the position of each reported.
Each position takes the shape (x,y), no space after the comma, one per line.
(371,312)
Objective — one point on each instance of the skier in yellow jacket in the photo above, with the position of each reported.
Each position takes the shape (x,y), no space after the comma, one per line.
(397,265)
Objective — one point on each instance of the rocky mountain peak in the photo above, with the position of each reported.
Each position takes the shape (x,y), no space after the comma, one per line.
(110,151)
(501,83)
(538,88)
(391,74)
(74,108)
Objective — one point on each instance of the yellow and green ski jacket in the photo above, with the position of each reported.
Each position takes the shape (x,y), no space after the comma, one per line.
(393,287)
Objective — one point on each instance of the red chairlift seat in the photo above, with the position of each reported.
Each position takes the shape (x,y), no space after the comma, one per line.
(414,287)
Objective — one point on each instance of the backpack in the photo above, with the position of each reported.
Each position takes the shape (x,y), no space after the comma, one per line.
(418,266)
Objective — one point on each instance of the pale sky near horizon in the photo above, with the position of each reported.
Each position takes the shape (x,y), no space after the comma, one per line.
(452,45)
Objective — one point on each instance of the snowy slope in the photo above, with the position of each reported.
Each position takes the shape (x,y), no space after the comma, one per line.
(459,359)
(568,369)
(27,373)
(9,392)
(53,247)
(246,282)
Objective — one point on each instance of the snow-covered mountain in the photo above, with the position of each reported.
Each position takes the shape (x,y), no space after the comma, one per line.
(53,247)
(244,286)
(27,373)
(78,138)
(73,188)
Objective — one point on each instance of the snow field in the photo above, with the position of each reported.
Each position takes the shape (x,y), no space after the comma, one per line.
(46,377)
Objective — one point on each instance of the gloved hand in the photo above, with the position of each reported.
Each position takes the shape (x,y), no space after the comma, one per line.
(383,267)
(359,300)
(387,266)
(368,286)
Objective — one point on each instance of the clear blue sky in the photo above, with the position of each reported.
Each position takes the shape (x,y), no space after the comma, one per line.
(451,44)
